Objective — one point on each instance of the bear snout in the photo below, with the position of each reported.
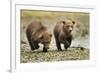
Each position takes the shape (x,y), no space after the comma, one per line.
(70,29)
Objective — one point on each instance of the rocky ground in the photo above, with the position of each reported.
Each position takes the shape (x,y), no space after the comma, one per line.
(28,56)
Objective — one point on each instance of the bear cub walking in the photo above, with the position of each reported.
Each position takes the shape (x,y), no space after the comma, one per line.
(62,33)
(37,33)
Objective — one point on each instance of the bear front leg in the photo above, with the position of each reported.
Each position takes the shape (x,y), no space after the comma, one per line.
(36,45)
(45,49)
(66,45)
(58,46)
(31,45)
(68,42)
(57,41)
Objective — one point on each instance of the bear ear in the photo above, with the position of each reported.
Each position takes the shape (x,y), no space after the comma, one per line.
(73,22)
(63,22)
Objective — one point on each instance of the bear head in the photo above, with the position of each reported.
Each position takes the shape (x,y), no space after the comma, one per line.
(45,39)
(68,26)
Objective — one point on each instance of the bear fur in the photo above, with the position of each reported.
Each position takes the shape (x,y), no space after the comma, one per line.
(63,33)
(37,33)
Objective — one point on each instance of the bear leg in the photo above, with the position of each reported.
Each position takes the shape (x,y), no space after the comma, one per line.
(36,45)
(57,41)
(66,45)
(32,46)
(45,49)
(58,46)
(30,42)
(68,42)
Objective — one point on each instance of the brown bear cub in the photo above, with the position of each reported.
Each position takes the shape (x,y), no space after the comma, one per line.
(37,33)
(62,33)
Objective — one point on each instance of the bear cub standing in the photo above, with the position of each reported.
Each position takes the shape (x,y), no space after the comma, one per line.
(62,33)
(36,33)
